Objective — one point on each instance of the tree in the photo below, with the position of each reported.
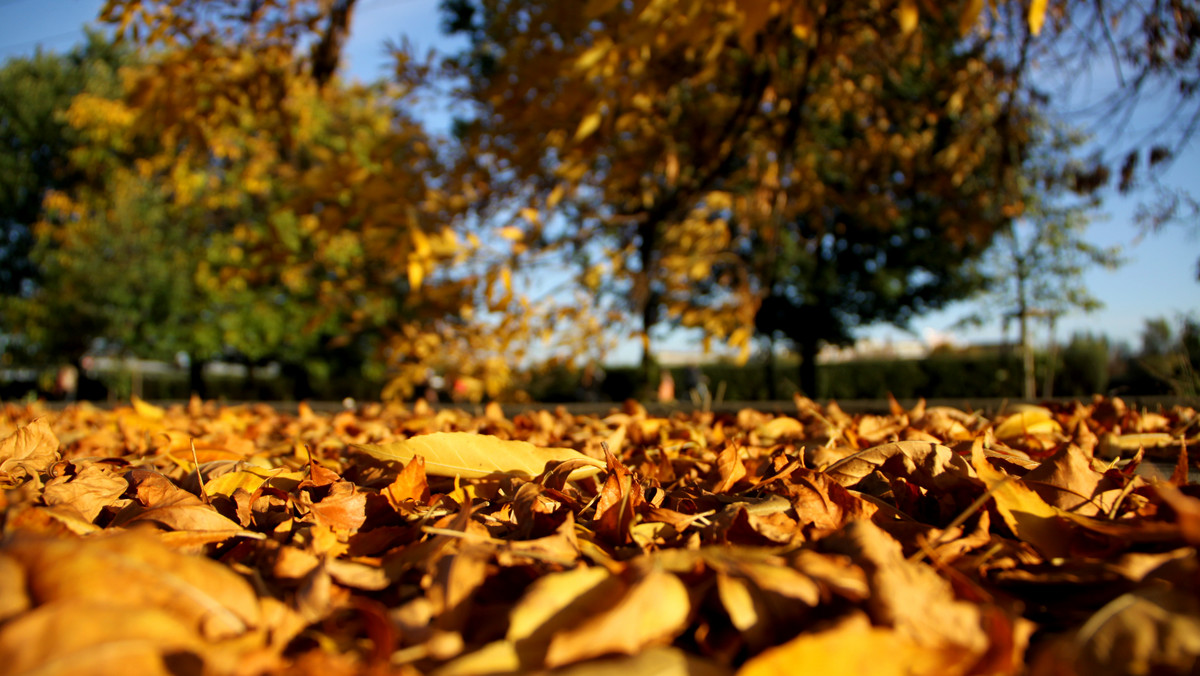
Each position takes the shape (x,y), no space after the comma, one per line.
(830,271)
(1172,359)
(1036,268)
(36,140)
(1148,52)
(675,140)
(292,213)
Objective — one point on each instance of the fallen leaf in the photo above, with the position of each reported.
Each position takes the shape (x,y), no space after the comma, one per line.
(410,484)
(27,452)
(91,489)
(913,599)
(936,461)
(778,429)
(651,611)
(1023,510)
(133,570)
(656,661)
(1028,421)
(162,502)
(854,646)
(458,454)
(71,636)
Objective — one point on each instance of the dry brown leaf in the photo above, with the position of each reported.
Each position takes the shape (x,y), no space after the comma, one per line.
(1066,480)
(936,461)
(1023,510)
(410,484)
(132,570)
(91,489)
(730,469)
(27,452)
(913,599)
(657,661)
(164,503)
(342,508)
(651,611)
(459,454)
(777,430)
(74,637)
(854,646)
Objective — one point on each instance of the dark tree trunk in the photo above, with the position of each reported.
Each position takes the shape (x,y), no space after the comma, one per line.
(196,377)
(771,371)
(297,373)
(808,367)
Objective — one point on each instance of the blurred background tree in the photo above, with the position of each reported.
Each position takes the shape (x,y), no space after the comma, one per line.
(791,169)
(243,202)
(36,140)
(1035,270)
(686,145)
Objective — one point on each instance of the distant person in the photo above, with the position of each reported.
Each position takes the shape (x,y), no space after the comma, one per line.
(666,387)
(66,383)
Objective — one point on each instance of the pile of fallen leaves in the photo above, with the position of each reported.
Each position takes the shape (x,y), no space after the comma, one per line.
(240,540)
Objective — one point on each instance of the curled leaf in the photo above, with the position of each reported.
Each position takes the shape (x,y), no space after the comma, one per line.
(26,452)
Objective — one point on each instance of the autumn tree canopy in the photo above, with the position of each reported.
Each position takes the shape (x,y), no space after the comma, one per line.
(671,139)
(246,201)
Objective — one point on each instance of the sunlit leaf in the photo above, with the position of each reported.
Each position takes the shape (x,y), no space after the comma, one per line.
(589,124)
(464,455)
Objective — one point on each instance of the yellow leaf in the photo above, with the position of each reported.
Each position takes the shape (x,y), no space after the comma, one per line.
(1028,421)
(250,479)
(1037,16)
(593,55)
(469,456)
(652,610)
(147,411)
(512,233)
(558,599)
(779,428)
(852,646)
(416,274)
(589,124)
(1025,513)
(28,451)
(907,15)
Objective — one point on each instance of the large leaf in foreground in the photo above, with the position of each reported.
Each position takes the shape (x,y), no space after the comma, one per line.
(469,456)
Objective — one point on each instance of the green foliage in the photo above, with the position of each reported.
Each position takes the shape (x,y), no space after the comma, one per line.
(1169,361)
(36,140)
(1084,368)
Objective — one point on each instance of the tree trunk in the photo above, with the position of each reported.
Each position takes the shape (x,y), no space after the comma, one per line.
(808,367)
(1029,389)
(196,377)
(771,371)
(1051,362)
(297,373)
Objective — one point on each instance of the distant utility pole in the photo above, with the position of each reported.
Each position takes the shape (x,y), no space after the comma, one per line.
(1023,314)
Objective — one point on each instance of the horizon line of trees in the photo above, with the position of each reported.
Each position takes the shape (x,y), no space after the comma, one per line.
(203,182)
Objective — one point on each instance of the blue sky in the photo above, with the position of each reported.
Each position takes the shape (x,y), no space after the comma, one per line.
(1159,279)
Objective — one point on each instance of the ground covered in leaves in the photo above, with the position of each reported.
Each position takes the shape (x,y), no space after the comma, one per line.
(202,539)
